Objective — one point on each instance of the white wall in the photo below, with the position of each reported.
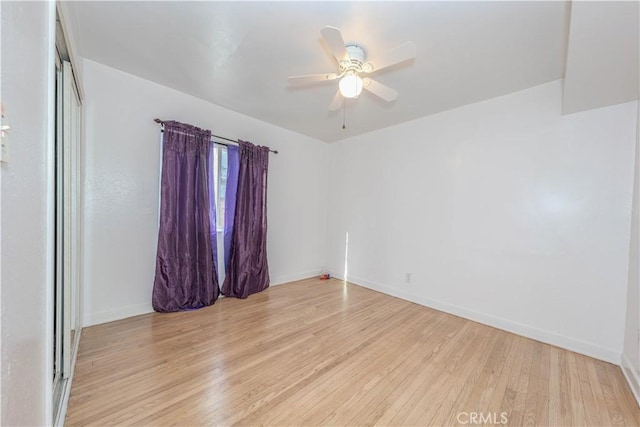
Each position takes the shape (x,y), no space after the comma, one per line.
(504,211)
(602,55)
(2,375)
(121,188)
(631,354)
(27,71)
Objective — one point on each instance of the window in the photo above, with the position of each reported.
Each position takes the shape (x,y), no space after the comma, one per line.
(219,168)
(221,187)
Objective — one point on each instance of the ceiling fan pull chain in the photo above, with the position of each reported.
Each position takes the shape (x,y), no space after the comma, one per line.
(344,115)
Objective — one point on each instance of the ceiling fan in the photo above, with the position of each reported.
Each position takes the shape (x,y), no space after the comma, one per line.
(351,64)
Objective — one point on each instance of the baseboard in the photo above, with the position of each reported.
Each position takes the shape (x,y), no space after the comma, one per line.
(527,331)
(135,310)
(117,314)
(280,280)
(631,375)
(338,276)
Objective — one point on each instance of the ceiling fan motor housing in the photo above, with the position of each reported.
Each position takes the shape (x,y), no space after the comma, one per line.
(356,55)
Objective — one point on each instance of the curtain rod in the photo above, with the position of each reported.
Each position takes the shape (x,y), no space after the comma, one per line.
(161,123)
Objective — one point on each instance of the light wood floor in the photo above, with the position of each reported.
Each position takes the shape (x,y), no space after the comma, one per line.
(314,352)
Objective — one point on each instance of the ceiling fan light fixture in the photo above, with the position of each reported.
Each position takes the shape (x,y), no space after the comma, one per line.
(351,86)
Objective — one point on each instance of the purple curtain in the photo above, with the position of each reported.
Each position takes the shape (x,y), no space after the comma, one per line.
(233,164)
(248,271)
(185,272)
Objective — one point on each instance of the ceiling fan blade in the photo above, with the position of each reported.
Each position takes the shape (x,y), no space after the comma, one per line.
(398,54)
(378,89)
(336,104)
(333,38)
(313,78)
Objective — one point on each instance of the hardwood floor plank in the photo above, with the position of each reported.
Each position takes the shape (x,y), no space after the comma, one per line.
(591,408)
(598,394)
(578,415)
(509,367)
(542,403)
(555,386)
(629,415)
(326,353)
(533,387)
(514,399)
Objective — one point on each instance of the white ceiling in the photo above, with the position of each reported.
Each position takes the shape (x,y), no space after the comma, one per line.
(602,59)
(239,54)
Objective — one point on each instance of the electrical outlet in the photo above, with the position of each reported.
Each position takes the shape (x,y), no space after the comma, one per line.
(407,277)
(4,143)
(4,146)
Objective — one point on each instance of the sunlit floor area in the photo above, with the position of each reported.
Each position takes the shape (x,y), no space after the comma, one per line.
(326,353)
